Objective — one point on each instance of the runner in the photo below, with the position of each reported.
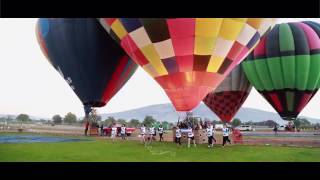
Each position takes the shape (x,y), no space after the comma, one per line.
(151,134)
(191,137)
(225,133)
(178,136)
(209,131)
(143,133)
(123,132)
(213,132)
(113,132)
(160,129)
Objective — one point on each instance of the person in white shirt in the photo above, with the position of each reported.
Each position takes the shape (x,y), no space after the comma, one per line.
(213,131)
(113,132)
(225,133)
(143,133)
(151,133)
(123,131)
(178,136)
(160,129)
(191,137)
(209,131)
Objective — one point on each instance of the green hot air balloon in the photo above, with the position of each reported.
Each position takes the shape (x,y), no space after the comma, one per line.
(285,67)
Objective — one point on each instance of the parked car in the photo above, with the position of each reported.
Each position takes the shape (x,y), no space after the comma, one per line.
(245,128)
(282,128)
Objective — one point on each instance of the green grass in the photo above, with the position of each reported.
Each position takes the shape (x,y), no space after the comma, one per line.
(133,151)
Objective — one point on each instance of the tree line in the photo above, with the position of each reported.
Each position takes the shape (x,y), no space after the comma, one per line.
(71,118)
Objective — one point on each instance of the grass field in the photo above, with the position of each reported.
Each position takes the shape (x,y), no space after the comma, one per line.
(133,151)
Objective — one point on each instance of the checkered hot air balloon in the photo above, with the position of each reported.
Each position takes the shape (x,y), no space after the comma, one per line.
(188,57)
(91,62)
(228,97)
(285,67)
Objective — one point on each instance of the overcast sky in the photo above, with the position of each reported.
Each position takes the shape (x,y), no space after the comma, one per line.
(29,84)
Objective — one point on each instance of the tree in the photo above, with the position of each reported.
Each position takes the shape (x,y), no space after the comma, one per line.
(301,122)
(305,122)
(121,121)
(297,123)
(23,118)
(165,125)
(70,118)
(109,121)
(134,122)
(149,120)
(57,119)
(236,122)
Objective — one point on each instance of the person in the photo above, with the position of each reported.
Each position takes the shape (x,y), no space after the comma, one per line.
(191,137)
(143,133)
(213,132)
(101,129)
(225,133)
(123,131)
(209,131)
(178,136)
(160,129)
(275,129)
(154,133)
(113,132)
(86,128)
(151,134)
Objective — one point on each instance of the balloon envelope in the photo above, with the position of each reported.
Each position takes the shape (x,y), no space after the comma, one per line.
(285,67)
(228,97)
(93,64)
(188,57)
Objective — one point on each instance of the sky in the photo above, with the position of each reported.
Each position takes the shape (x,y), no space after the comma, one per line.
(29,84)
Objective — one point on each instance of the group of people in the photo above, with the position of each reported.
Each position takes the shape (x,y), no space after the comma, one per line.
(210,135)
(114,132)
(148,137)
(149,134)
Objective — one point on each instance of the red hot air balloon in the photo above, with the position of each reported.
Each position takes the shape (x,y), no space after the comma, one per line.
(188,57)
(229,96)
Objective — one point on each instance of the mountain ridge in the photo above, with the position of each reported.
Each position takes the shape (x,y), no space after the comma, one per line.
(166,112)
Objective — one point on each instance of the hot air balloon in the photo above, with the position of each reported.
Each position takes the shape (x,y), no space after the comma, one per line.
(285,67)
(188,57)
(91,62)
(228,97)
